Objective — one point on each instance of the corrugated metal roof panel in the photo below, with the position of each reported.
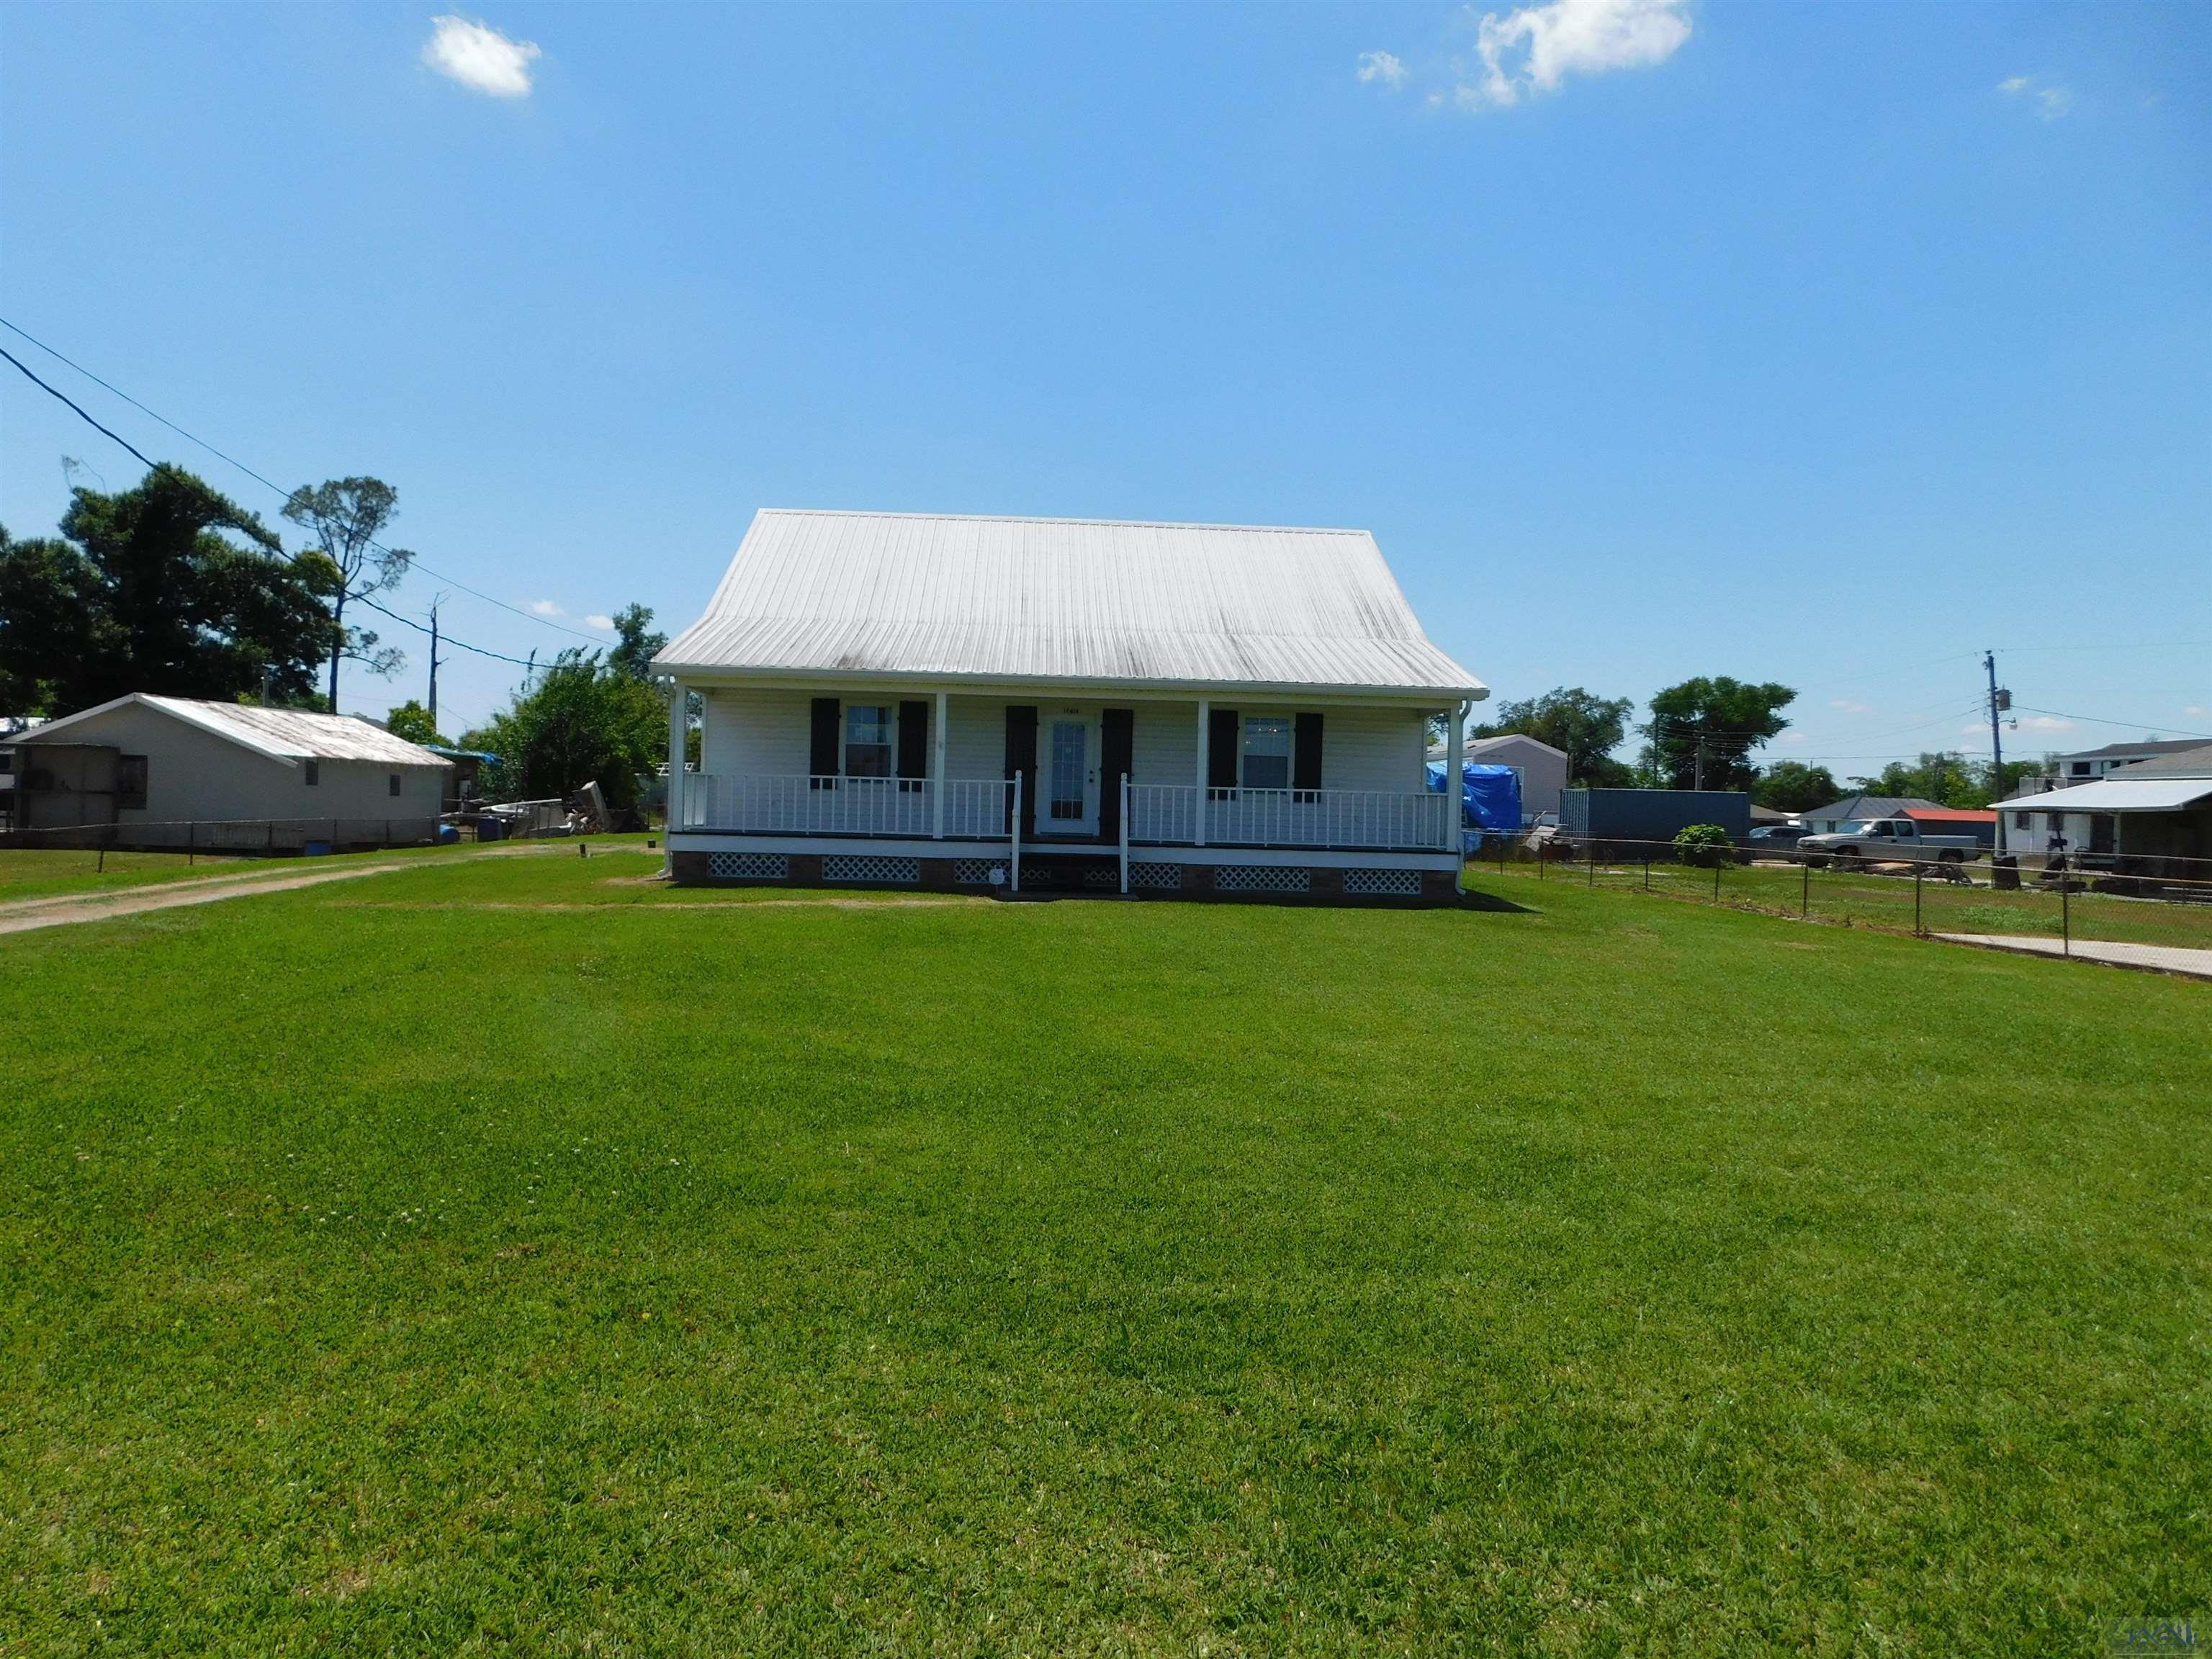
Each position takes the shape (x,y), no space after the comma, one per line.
(2118,794)
(1082,600)
(285,733)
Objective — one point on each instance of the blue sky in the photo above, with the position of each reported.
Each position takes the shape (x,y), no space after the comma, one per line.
(1825,343)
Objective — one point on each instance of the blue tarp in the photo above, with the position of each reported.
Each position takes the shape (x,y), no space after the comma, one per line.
(1490,800)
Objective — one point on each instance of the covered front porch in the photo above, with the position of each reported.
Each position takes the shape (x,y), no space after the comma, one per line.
(1139,793)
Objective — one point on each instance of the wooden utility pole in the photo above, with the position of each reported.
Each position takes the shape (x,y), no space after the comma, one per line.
(1999,702)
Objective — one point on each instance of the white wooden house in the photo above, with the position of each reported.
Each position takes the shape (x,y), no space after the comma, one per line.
(956,703)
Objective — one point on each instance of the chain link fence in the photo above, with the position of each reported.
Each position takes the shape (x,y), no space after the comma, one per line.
(2150,912)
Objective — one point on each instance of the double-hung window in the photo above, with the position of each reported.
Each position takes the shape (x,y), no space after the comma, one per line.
(1268,751)
(867,741)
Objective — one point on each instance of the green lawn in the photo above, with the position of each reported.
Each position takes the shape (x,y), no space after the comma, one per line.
(41,873)
(409,1265)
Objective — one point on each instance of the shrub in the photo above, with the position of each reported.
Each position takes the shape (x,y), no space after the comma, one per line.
(1705,846)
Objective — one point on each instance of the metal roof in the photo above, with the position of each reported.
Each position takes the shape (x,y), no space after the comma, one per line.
(2151,746)
(2120,793)
(2194,762)
(285,734)
(1084,601)
(1868,806)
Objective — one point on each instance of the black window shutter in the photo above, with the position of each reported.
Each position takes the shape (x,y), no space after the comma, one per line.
(1221,744)
(1021,761)
(1117,744)
(822,746)
(914,740)
(1305,752)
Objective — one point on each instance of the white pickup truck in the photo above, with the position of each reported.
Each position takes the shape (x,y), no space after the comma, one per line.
(1886,840)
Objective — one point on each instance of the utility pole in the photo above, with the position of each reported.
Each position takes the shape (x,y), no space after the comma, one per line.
(1999,702)
(435,603)
(1700,783)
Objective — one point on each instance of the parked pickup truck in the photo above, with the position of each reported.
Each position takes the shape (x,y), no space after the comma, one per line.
(1886,840)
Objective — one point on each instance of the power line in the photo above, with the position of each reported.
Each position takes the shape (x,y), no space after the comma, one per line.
(290,558)
(258,477)
(2140,726)
(72,403)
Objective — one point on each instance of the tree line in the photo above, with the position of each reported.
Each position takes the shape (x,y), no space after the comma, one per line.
(170,587)
(1709,730)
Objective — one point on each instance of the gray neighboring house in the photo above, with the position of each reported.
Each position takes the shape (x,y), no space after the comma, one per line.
(152,771)
(1853,809)
(1543,768)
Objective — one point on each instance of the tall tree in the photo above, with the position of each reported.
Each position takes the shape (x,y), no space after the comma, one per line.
(1793,787)
(636,642)
(167,587)
(582,721)
(1586,727)
(1708,728)
(1948,779)
(345,516)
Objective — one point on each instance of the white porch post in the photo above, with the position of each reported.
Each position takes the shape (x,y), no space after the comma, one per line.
(678,696)
(937,771)
(1016,859)
(1205,733)
(1455,787)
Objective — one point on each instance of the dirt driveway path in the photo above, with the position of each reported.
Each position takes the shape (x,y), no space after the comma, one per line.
(62,909)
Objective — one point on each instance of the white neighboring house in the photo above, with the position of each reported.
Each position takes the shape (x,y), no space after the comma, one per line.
(2159,808)
(1542,769)
(911,699)
(170,771)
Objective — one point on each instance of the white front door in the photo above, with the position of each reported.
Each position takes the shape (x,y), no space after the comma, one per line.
(1068,776)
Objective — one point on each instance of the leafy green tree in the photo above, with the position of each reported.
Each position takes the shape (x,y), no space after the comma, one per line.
(1718,722)
(345,516)
(1793,787)
(167,587)
(1585,727)
(412,721)
(583,721)
(636,644)
(1948,778)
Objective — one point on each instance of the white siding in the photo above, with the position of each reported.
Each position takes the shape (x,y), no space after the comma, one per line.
(766,733)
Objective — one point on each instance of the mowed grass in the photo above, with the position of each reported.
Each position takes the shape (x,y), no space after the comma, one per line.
(394,1267)
(39,872)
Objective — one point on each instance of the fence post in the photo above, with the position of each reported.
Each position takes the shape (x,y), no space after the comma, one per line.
(1717,883)
(1805,897)
(1647,873)
(1593,865)
(1917,869)
(272,836)
(387,832)
(190,836)
(102,869)
(2066,912)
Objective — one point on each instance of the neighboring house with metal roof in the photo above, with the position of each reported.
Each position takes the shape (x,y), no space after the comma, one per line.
(159,771)
(1856,809)
(2156,808)
(961,702)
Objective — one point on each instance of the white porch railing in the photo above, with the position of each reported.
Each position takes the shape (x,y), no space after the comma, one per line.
(1168,813)
(1160,814)
(904,807)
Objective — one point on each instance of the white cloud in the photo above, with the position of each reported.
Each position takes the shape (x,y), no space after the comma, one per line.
(2046,723)
(2197,711)
(1382,66)
(1850,708)
(2050,99)
(545,608)
(480,58)
(605,625)
(1536,48)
